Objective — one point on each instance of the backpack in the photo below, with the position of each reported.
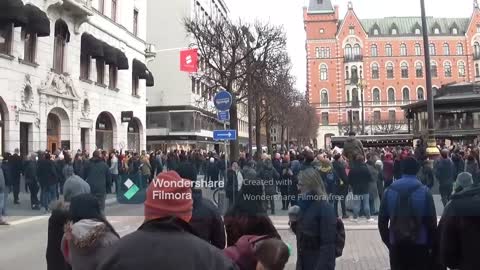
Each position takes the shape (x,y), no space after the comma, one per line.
(242,253)
(405,223)
(339,238)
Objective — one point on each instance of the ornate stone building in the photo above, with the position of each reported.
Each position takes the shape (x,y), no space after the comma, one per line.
(68,69)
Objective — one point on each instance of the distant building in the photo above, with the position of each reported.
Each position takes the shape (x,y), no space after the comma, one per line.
(67,72)
(386,56)
(180,112)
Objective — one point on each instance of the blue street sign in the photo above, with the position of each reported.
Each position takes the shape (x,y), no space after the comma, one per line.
(223,101)
(224,116)
(225,135)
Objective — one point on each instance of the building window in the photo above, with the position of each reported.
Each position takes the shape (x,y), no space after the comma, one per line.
(477,71)
(114,10)
(322,30)
(348,97)
(6,32)
(376,96)
(351,30)
(375,71)
(356,116)
(100,71)
(461,69)
(454,31)
(85,62)
(459,49)
(348,51)
(476,50)
(135,22)
(394,31)
(448,69)
(377,116)
(325,118)
(392,117)
(355,99)
(403,49)
(30,47)
(62,36)
(434,91)
(418,31)
(327,53)
(136,85)
(390,70)
(376,32)
(391,96)
(436,31)
(374,50)
(446,49)
(434,70)
(419,70)
(317,52)
(418,49)
(420,94)
(406,95)
(388,50)
(324,98)
(112,76)
(323,72)
(354,74)
(432,49)
(404,67)
(347,74)
(193,85)
(356,50)
(101,6)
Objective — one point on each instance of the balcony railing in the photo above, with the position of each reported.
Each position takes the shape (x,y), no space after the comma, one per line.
(353,58)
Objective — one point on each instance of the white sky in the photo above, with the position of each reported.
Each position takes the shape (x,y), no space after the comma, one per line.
(289,14)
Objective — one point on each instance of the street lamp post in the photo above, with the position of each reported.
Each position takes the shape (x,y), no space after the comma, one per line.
(361,86)
(432,149)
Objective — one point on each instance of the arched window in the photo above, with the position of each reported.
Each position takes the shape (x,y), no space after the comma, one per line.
(324,98)
(376,96)
(62,37)
(347,73)
(356,50)
(436,31)
(375,32)
(355,99)
(454,31)
(404,68)
(476,50)
(420,94)
(348,97)
(390,70)
(394,31)
(434,91)
(459,49)
(434,69)
(419,70)
(406,95)
(448,69)
(403,49)
(374,50)
(418,31)
(323,72)
(432,49)
(418,49)
(388,50)
(375,71)
(446,49)
(354,74)
(477,71)
(348,51)
(461,69)
(391,96)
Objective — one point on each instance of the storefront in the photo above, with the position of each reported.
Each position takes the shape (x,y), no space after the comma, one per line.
(104,132)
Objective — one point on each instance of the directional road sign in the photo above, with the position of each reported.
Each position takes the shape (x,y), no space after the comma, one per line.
(224,115)
(227,135)
(223,101)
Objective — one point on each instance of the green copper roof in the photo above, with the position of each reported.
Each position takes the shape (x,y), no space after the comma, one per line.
(406,25)
(320,6)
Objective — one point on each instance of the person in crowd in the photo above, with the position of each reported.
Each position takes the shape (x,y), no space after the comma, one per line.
(471,166)
(98,175)
(459,233)
(296,166)
(242,160)
(444,172)
(330,179)
(380,180)
(15,165)
(269,175)
(186,169)
(425,174)
(88,234)
(463,181)
(374,199)
(59,165)
(397,165)
(78,165)
(277,163)
(48,179)
(74,185)
(146,170)
(6,173)
(359,179)
(342,184)
(3,188)
(286,182)
(407,221)
(234,183)
(213,172)
(166,230)
(207,221)
(133,165)
(221,167)
(458,163)
(388,170)
(314,223)
(352,148)
(171,161)
(248,216)
(30,173)
(158,163)
(114,165)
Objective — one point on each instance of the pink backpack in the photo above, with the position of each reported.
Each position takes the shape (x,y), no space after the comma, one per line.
(242,253)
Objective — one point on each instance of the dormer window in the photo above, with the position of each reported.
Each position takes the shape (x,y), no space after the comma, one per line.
(394,31)
(418,31)
(375,32)
(454,31)
(436,31)
(351,30)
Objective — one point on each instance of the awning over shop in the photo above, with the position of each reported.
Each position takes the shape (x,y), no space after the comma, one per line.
(122,60)
(12,11)
(38,21)
(92,46)
(150,79)
(109,54)
(140,70)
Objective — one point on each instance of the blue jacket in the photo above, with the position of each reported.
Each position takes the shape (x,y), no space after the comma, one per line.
(423,202)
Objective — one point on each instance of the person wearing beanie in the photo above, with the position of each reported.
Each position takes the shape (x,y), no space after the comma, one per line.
(464,180)
(406,252)
(74,185)
(165,239)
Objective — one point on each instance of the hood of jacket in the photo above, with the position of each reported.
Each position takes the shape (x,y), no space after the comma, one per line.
(267,164)
(350,139)
(470,191)
(85,233)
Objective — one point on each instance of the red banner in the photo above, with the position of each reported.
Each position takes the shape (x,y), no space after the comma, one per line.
(189,60)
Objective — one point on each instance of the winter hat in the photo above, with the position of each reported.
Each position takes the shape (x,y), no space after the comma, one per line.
(464,180)
(410,166)
(85,206)
(169,195)
(379,163)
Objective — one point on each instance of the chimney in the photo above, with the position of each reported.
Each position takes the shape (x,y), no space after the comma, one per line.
(336,12)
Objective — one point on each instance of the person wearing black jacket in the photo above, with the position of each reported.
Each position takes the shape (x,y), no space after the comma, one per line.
(206,220)
(78,166)
(15,162)
(48,180)
(30,172)
(359,179)
(231,187)
(98,176)
(342,184)
(186,169)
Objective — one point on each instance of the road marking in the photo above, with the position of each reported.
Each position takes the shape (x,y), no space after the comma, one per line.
(28,220)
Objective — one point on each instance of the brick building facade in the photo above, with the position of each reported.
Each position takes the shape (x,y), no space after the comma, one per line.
(383,59)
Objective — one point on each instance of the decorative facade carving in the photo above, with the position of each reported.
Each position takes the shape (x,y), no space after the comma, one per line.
(37,122)
(59,85)
(27,93)
(86,108)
